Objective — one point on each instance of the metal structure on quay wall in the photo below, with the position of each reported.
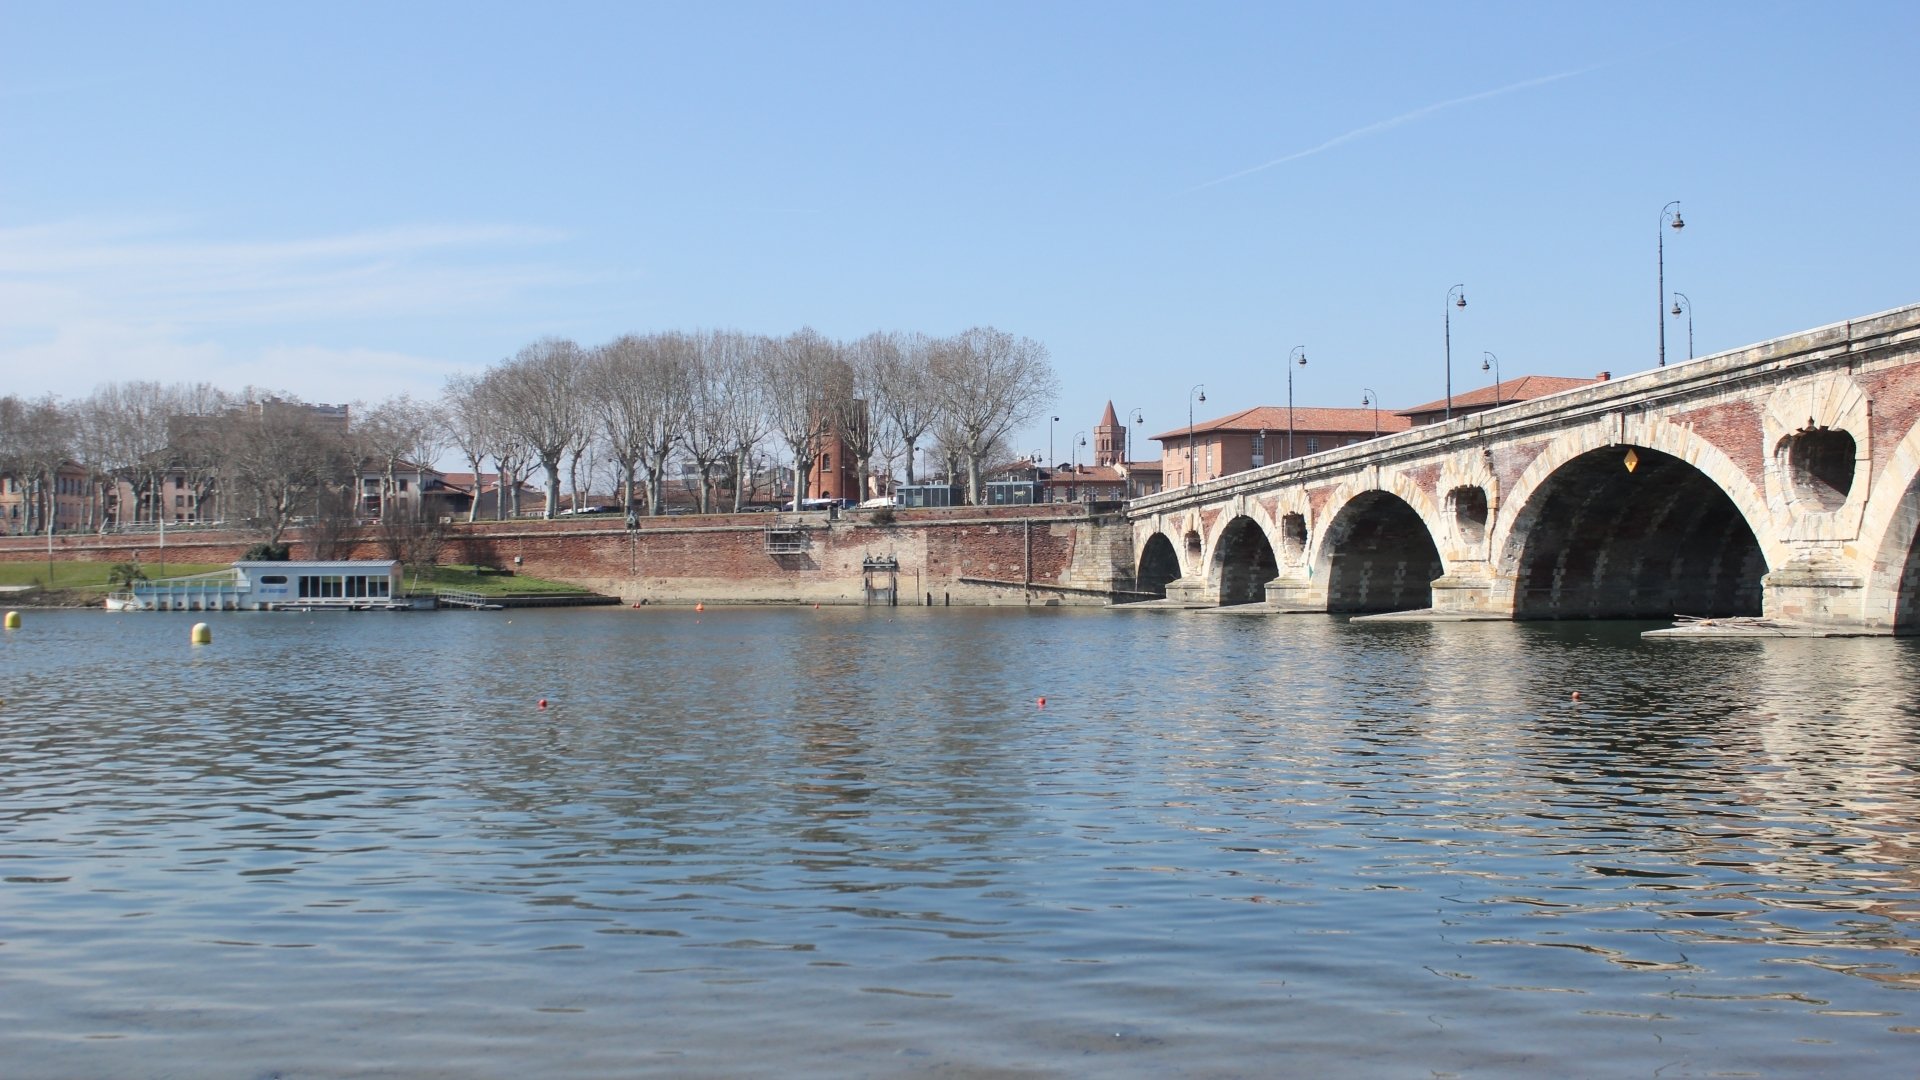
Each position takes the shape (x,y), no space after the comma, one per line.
(1775,486)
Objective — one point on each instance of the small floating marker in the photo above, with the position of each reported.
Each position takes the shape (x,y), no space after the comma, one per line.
(202,634)
(1042,703)
(1576,695)
(13,620)
(699,607)
(816,607)
(543,703)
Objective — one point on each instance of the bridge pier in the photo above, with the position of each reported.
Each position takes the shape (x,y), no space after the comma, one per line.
(1815,590)
(1294,592)
(1468,590)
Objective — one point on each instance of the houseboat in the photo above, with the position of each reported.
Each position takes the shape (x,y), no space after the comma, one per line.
(327,585)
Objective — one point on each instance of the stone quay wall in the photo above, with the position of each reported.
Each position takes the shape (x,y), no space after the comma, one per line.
(1046,554)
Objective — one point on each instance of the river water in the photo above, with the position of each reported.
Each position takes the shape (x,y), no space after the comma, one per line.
(850,842)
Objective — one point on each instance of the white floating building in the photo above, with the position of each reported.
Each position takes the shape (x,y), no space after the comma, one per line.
(327,585)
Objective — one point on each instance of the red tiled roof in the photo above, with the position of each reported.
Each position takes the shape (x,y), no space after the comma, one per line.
(1524,388)
(1306,418)
(1107,419)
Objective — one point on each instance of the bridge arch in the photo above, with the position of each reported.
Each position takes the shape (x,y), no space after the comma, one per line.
(1378,552)
(1676,529)
(1890,533)
(1157,565)
(1243,562)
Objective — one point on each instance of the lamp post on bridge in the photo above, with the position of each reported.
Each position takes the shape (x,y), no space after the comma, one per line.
(1447,327)
(1368,397)
(1135,419)
(1050,459)
(1201,390)
(1485,357)
(1299,351)
(1681,303)
(1660,268)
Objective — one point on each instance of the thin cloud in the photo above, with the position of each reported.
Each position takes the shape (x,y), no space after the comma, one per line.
(1390,123)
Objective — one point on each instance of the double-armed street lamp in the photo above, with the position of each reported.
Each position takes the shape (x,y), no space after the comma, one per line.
(1134,420)
(1669,215)
(1200,390)
(1369,397)
(1447,326)
(1682,304)
(1488,360)
(1050,461)
(1079,440)
(1299,351)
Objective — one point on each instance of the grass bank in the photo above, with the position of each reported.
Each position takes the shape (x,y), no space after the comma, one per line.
(487,583)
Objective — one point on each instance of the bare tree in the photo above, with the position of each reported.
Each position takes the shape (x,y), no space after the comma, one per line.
(903,397)
(391,433)
(470,423)
(287,463)
(36,438)
(734,400)
(805,378)
(540,402)
(987,382)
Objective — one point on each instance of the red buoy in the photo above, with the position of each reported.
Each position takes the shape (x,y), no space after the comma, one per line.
(543,703)
(1043,703)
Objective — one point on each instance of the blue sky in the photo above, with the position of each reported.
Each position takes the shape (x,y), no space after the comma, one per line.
(347,200)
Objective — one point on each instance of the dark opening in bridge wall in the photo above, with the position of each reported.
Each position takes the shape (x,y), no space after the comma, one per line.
(1469,513)
(1606,542)
(1293,537)
(1246,563)
(1819,466)
(1159,564)
(1383,557)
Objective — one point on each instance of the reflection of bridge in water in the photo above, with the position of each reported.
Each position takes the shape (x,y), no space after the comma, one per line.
(1781,479)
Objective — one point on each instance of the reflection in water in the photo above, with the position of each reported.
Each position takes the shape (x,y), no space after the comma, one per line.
(848,841)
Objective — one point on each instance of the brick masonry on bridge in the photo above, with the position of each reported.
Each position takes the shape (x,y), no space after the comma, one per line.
(1781,479)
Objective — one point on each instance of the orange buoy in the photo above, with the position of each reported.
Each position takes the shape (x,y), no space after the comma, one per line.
(1576,695)
(699,607)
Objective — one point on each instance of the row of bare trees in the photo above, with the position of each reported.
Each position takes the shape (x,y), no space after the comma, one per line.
(631,411)
(715,399)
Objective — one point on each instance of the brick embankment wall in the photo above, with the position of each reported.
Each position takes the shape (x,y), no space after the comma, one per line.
(969,555)
(965,555)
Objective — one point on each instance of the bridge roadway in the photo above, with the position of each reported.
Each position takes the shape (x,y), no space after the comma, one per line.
(1780,480)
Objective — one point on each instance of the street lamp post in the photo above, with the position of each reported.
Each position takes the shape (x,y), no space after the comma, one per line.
(1201,390)
(1680,304)
(1485,357)
(1368,397)
(1447,327)
(1134,420)
(1079,440)
(1050,423)
(1299,351)
(1660,268)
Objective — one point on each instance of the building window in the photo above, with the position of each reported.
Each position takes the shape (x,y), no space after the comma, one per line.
(1259,455)
(1313,444)
(179,501)
(403,485)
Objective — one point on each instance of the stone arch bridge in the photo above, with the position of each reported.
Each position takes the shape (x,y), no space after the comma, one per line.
(1779,480)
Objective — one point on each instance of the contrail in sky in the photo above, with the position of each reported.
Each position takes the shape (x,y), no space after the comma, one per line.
(1392,122)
